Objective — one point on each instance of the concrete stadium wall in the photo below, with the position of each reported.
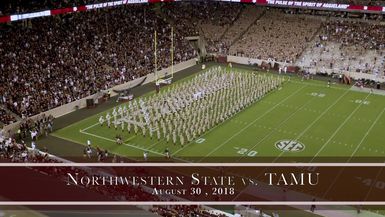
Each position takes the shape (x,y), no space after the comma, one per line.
(355,75)
(73,106)
(249,61)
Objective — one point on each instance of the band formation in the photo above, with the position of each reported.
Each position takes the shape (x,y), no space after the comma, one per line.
(182,112)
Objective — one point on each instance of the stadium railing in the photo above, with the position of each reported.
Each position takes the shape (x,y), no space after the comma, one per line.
(355,75)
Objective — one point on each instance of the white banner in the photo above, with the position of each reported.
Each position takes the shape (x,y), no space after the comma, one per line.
(30,15)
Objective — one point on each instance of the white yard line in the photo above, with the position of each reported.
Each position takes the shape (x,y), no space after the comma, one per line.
(130,138)
(250,124)
(338,129)
(351,156)
(315,121)
(129,145)
(68,139)
(367,133)
(87,128)
(111,140)
(154,144)
(220,124)
(372,186)
(93,125)
(275,128)
(194,140)
(320,85)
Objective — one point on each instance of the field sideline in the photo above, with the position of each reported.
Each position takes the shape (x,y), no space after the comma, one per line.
(326,122)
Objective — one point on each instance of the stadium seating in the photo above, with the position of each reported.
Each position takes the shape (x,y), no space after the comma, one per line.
(6,117)
(79,54)
(347,46)
(276,35)
(183,211)
(19,6)
(246,18)
(17,153)
(207,19)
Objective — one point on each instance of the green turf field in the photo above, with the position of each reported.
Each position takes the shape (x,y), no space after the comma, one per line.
(310,119)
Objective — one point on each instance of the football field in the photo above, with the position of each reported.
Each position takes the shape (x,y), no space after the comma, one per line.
(301,121)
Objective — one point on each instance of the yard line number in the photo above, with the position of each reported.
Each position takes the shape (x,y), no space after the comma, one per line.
(320,95)
(359,101)
(245,152)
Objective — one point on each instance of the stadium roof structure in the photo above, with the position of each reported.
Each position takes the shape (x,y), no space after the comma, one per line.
(275,3)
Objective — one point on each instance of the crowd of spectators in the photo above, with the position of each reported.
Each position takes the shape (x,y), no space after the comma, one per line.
(24,6)
(189,211)
(42,125)
(14,145)
(246,18)
(6,117)
(348,46)
(365,2)
(15,152)
(278,36)
(367,35)
(207,19)
(62,59)
(18,152)
(57,60)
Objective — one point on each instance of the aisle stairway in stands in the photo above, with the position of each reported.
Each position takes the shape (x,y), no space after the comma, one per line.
(9,112)
(241,12)
(311,42)
(249,12)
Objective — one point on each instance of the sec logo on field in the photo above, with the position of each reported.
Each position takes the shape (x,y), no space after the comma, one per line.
(290,146)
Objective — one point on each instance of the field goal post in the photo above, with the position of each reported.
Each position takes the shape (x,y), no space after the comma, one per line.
(167,78)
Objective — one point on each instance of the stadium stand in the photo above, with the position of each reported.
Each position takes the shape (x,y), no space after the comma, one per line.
(207,19)
(346,45)
(276,35)
(42,124)
(81,54)
(11,6)
(249,15)
(12,151)
(6,117)
(184,211)
(19,153)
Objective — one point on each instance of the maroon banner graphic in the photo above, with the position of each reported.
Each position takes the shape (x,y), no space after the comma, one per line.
(188,182)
